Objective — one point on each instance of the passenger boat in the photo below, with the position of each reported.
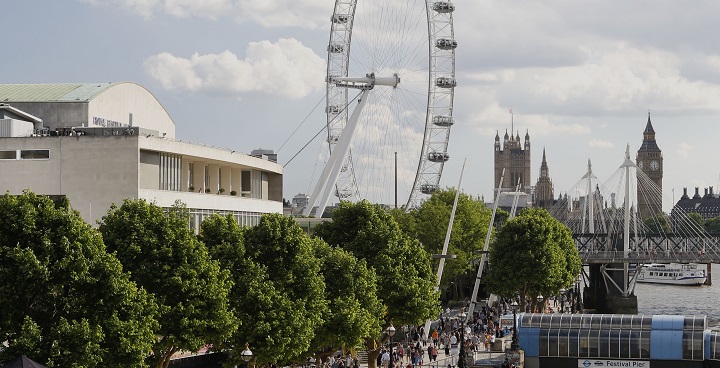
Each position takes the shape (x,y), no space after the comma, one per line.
(672,274)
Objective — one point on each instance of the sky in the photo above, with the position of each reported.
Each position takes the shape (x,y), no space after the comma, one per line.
(581,77)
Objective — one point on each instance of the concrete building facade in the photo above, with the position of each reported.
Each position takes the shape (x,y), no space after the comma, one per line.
(98,144)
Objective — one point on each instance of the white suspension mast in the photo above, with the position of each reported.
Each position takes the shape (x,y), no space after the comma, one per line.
(335,163)
(483,259)
(443,255)
(516,196)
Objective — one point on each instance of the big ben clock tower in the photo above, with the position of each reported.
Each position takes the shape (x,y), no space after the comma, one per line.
(650,161)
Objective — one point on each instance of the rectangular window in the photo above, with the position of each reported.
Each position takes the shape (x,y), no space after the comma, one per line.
(42,154)
(245,183)
(170,171)
(191,175)
(8,155)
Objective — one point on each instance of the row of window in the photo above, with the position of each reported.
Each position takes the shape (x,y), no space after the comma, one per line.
(243,218)
(610,321)
(36,154)
(587,321)
(615,344)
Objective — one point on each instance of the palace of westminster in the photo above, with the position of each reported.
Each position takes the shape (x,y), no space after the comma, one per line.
(513,156)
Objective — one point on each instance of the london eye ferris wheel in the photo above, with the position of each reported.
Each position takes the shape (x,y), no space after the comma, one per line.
(389,104)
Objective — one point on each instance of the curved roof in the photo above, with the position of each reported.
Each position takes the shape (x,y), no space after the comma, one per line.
(68,92)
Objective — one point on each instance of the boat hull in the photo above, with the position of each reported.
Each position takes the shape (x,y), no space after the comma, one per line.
(692,281)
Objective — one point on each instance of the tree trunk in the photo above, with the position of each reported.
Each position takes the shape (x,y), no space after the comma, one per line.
(164,362)
(373,353)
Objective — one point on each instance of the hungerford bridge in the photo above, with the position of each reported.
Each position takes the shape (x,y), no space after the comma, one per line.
(611,235)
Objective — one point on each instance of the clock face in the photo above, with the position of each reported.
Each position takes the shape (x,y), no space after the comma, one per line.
(640,164)
(654,165)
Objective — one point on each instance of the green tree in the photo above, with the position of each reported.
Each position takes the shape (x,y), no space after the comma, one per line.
(405,281)
(279,293)
(534,254)
(657,224)
(690,224)
(165,257)
(66,302)
(355,312)
(712,225)
(469,230)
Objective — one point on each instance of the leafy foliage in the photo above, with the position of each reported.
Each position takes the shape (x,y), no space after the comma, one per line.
(657,224)
(354,312)
(690,224)
(469,230)
(165,257)
(278,293)
(712,225)
(534,254)
(405,282)
(66,301)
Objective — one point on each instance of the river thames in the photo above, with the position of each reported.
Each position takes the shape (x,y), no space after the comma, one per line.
(682,300)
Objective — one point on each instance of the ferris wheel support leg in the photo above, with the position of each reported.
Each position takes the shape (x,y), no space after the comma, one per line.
(335,163)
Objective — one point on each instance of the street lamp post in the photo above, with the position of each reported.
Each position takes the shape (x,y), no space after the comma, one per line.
(461,358)
(390,331)
(246,355)
(515,344)
(540,299)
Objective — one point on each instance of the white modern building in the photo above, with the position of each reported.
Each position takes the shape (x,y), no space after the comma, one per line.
(98,144)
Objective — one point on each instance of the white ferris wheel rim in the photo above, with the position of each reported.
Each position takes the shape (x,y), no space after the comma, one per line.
(440,82)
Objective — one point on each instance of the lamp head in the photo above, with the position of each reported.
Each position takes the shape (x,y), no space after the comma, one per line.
(246,354)
(391,330)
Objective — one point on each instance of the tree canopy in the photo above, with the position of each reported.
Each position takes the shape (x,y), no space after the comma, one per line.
(355,312)
(166,258)
(66,302)
(469,230)
(657,224)
(712,225)
(690,224)
(405,282)
(533,254)
(278,292)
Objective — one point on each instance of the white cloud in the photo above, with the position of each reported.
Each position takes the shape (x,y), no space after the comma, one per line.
(598,143)
(285,68)
(683,150)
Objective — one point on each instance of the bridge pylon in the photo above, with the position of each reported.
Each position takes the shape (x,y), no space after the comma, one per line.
(611,289)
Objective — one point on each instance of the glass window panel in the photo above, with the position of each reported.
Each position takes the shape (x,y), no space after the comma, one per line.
(593,343)
(584,341)
(645,345)
(689,323)
(8,155)
(563,343)
(624,343)
(604,344)
(544,342)
(687,345)
(634,343)
(614,338)
(573,343)
(554,343)
(34,154)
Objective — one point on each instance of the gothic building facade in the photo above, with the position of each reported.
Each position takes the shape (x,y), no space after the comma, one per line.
(514,157)
(649,161)
(544,192)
